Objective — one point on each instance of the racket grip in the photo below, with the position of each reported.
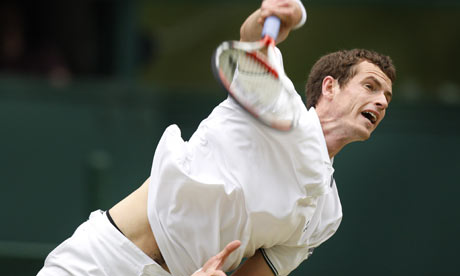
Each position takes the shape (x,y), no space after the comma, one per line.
(271,27)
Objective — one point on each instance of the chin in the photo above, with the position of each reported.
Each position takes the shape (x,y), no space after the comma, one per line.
(366,138)
(365,134)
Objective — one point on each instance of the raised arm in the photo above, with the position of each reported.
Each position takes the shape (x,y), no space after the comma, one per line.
(291,12)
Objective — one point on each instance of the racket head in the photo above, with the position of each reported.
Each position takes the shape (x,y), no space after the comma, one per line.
(257,81)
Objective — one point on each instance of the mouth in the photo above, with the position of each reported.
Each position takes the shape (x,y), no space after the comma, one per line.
(371,116)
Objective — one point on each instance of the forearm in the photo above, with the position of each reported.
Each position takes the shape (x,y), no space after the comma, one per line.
(251,30)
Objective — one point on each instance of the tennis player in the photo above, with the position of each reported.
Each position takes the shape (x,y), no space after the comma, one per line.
(237,179)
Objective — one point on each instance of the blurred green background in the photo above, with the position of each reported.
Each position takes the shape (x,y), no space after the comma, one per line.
(87,88)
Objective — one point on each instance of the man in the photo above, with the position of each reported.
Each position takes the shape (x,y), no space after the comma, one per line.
(237,179)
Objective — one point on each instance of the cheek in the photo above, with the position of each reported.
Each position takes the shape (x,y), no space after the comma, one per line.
(382,116)
(344,109)
(349,101)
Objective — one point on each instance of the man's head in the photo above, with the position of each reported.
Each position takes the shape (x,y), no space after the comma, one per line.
(350,91)
(341,66)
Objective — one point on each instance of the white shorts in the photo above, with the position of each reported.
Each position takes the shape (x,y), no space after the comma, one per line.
(97,248)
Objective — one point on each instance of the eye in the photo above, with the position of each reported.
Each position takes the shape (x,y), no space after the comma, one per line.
(369,86)
(388,96)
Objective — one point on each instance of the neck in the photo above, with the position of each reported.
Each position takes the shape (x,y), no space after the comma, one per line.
(335,134)
(335,138)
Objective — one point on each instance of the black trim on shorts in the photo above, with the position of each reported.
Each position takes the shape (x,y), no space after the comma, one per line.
(112,222)
(270,264)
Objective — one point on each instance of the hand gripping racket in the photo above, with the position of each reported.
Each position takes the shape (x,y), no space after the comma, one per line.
(257,81)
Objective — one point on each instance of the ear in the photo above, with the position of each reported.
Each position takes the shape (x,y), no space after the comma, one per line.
(329,87)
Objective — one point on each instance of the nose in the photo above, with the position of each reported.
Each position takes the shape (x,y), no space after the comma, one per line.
(381,101)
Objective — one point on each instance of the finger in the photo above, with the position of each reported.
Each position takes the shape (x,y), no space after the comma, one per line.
(261,20)
(283,9)
(274,6)
(229,248)
(218,261)
(210,264)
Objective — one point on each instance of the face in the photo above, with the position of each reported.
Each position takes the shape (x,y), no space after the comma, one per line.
(360,105)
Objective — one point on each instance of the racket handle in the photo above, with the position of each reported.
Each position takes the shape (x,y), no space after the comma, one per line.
(271,27)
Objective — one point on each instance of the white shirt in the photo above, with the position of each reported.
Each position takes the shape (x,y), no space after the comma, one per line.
(238,179)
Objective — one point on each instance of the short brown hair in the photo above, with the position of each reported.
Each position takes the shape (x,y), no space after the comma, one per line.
(340,65)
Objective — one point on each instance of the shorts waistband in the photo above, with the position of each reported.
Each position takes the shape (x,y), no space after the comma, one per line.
(116,242)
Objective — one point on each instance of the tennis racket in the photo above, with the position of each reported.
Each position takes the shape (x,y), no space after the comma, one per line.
(257,80)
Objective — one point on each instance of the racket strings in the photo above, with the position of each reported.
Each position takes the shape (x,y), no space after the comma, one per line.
(251,79)
(258,83)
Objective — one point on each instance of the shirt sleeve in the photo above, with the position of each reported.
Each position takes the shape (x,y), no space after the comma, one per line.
(282,260)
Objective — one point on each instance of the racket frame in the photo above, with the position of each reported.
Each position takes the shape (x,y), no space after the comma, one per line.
(253,49)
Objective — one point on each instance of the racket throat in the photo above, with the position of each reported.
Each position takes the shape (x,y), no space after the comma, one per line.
(262,61)
(268,41)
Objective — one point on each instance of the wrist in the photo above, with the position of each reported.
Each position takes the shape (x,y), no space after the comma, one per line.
(303,17)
